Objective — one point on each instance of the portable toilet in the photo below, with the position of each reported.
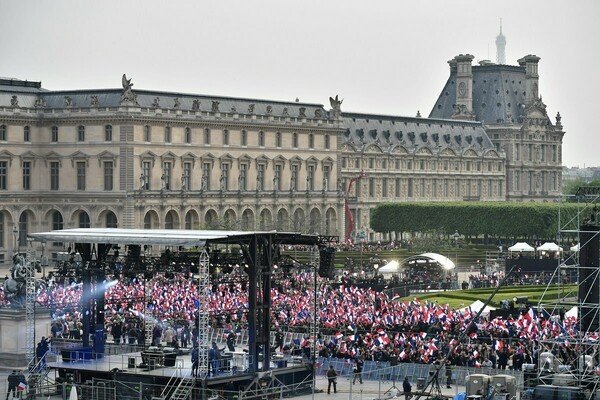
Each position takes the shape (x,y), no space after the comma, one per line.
(504,384)
(477,384)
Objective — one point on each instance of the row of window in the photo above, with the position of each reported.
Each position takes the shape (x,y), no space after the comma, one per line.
(225,183)
(416,187)
(54,171)
(21,230)
(422,165)
(535,181)
(186,178)
(108,133)
(531,152)
(225,138)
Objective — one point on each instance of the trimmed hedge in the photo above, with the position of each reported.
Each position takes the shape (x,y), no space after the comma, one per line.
(498,219)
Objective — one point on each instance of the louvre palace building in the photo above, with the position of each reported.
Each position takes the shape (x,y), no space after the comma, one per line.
(134,158)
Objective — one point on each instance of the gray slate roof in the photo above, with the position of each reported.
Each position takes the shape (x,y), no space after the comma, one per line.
(111,98)
(498,94)
(391,131)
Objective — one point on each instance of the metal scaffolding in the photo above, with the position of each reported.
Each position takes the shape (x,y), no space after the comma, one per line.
(570,357)
(30,306)
(203,317)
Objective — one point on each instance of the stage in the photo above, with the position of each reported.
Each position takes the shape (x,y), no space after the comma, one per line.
(137,369)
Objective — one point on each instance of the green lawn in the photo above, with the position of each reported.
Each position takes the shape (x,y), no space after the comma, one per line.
(463,298)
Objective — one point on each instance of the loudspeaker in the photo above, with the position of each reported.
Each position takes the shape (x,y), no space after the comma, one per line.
(589,274)
(326,262)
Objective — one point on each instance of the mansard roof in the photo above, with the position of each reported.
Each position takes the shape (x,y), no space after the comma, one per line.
(498,94)
(111,98)
(388,132)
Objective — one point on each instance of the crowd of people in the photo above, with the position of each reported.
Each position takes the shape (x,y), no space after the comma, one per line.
(358,321)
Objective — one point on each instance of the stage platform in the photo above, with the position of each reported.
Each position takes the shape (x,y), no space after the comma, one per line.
(135,369)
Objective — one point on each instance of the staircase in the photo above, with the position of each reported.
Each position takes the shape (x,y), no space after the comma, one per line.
(184,390)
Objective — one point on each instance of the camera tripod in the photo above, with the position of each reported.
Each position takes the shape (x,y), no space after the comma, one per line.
(393,390)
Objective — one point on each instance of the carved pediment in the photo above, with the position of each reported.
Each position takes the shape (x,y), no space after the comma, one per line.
(168,156)
(448,152)
(399,149)
(424,151)
(106,156)
(6,156)
(470,153)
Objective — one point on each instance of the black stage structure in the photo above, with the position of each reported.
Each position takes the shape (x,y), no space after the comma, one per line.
(259,250)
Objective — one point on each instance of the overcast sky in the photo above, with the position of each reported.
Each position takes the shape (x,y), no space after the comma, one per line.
(387,57)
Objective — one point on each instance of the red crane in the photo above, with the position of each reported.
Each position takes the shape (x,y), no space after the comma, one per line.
(349,217)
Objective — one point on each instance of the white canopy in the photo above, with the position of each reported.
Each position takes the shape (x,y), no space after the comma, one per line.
(444,261)
(573,312)
(390,268)
(478,305)
(549,247)
(575,248)
(521,246)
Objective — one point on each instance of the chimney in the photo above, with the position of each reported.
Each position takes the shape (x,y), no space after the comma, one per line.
(464,82)
(530,62)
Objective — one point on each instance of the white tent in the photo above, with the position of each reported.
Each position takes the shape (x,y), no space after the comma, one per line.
(551,247)
(478,305)
(390,268)
(521,246)
(574,248)
(572,312)
(444,261)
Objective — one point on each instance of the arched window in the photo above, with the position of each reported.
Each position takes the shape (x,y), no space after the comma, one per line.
(169,221)
(111,220)
(23,224)
(84,220)
(57,221)
(147,221)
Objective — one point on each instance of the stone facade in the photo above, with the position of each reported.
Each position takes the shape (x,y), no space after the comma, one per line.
(506,100)
(147,159)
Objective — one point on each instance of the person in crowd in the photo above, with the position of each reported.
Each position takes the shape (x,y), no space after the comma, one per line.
(13,382)
(331,380)
(357,370)
(195,357)
(407,388)
(231,337)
